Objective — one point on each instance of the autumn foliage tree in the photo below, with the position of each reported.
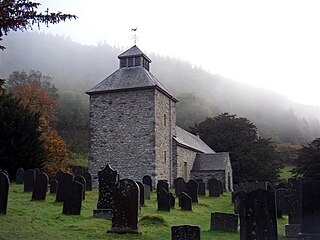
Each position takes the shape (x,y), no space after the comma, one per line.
(35,95)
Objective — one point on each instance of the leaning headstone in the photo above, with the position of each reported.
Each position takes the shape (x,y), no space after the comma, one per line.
(107,182)
(63,180)
(201,189)
(192,190)
(227,222)
(88,178)
(73,198)
(40,187)
(163,200)
(310,227)
(29,178)
(180,186)
(147,194)
(141,191)
(172,200)
(82,180)
(185,202)
(213,187)
(19,176)
(4,191)
(185,232)
(148,181)
(260,220)
(53,186)
(126,205)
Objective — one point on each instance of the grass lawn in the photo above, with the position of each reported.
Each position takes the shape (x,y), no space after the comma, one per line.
(28,219)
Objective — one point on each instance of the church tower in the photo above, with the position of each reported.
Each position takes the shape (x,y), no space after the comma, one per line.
(132,121)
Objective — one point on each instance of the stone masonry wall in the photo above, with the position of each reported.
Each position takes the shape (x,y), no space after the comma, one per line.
(182,156)
(122,133)
(164,129)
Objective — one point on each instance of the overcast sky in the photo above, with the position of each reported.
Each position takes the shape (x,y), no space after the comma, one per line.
(273,44)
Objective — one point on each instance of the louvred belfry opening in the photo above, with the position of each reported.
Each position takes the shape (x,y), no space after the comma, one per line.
(134,57)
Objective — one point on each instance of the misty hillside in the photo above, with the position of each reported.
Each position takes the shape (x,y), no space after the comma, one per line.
(77,67)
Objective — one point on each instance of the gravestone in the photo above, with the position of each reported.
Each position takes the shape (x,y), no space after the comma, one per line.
(201,189)
(213,187)
(180,186)
(87,176)
(5,172)
(126,205)
(192,190)
(310,227)
(185,202)
(162,185)
(227,222)
(163,200)
(141,191)
(185,232)
(19,176)
(148,181)
(40,187)
(63,180)
(4,192)
(172,200)
(147,194)
(73,198)
(29,178)
(282,185)
(239,198)
(251,186)
(259,220)
(107,182)
(280,195)
(221,186)
(53,186)
(82,180)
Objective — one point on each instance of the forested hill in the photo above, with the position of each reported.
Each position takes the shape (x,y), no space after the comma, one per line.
(77,67)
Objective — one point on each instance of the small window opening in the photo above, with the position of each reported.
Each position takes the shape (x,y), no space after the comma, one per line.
(130,62)
(165,119)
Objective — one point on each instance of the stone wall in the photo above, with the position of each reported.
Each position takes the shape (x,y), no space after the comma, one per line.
(122,133)
(165,122)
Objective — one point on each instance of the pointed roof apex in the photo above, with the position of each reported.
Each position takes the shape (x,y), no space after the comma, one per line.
(133,52)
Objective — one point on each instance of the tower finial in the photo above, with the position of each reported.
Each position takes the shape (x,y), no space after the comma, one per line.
(135,35)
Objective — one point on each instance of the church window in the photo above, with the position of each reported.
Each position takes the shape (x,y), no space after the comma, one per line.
(137,61)
(165,156)
(123,62)
(130,61)
(165,119)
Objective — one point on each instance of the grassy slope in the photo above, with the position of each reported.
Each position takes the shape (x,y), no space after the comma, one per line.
(43,220)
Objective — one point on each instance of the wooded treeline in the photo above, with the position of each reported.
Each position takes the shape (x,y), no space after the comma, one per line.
(75,68)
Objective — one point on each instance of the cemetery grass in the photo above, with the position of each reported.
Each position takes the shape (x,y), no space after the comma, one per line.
(28,219)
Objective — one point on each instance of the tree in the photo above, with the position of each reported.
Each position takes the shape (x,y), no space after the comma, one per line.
(22,15)
(20,138)
(252,158)
(309,161)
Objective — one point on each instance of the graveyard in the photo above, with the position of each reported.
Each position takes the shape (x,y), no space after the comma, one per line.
(27,219)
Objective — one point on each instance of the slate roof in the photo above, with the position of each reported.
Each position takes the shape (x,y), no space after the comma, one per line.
(133,52)
(189,140)
(212,161)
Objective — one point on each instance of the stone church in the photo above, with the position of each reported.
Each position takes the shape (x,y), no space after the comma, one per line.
(133,129)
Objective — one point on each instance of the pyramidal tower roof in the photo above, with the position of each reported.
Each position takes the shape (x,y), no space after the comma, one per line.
(133,74)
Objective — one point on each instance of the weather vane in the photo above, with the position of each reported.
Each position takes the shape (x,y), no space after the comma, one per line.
(135,35)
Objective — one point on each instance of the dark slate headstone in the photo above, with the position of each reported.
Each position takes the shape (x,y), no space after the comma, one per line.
(141,191)
(5,172)
(310,228)
(73,198)
(19,176)
(185,202)
(281,194)
(37,170)
(180,186)
(185,232)
(63,180)
(148,181)
(282,185)
(221,186)
(107,182)
(126,205)
(172,200)
(213,187)
(40,187)
(88,178)
(147,193)
(239,198)
(224,222)
(82,180)
(29,178)
(4,191)
(163,200)
(259,221)
(53,186)
(251,186)
(162,185)
(201,189)
(192,190)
